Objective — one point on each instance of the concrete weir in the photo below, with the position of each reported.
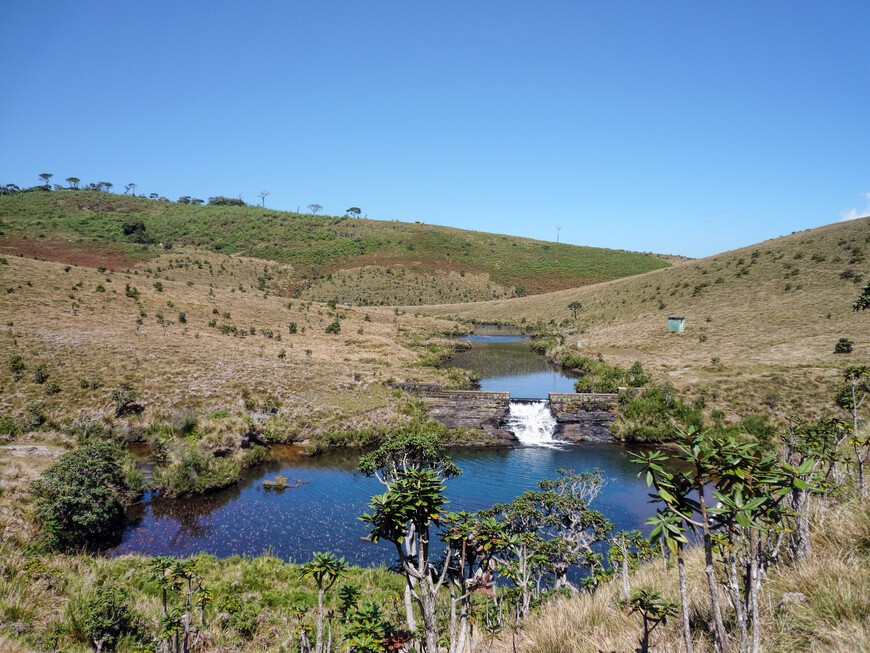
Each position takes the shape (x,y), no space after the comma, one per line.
(471,409)
(584,416)
(579,416)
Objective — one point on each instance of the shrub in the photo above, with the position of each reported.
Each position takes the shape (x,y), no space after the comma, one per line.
(193,472)
(52,388)
(9,426)
(158,286)
(79,500)
(182,318)
(333,327)
(104,616)
(34,418)
(242,615)
(843,346)
(135,231)
(653,415)
(124,397)
(254,456)
(40,373)
(596,375)
(17,366)
(220,200)
(292,327)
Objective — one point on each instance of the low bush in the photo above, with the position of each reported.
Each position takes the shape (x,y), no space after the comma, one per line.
(598,376)
(255,456)
(40,373)
(190,471)
(843,346)
(103,616)
(654,414)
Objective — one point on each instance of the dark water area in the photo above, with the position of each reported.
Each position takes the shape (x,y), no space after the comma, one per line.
(505,363)
(321,514)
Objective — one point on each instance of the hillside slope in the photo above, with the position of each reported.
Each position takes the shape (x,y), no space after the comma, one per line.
(439,263)
(761,321)
(201,344)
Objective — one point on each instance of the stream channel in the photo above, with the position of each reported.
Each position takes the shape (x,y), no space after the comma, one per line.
(321,513)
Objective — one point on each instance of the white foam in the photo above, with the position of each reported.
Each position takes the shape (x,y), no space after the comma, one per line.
(532,423)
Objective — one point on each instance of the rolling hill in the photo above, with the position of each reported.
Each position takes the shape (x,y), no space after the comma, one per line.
(320,257)
(761,321)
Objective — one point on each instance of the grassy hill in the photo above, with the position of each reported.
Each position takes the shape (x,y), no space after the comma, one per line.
(438,263)
(226,349)
(761,322)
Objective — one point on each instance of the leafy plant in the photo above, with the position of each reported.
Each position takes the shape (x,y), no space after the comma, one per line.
(79,501)
(40,373)
(16,366)
(843,346)
(652,608)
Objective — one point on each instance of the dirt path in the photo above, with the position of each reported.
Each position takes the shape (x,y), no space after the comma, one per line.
(30,451)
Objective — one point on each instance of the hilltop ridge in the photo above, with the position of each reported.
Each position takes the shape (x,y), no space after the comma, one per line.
(322,257)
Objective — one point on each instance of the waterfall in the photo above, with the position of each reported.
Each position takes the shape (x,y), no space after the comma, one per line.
(532,422)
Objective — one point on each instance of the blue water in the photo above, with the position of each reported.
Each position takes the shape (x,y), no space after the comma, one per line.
(504,362)
(322,513)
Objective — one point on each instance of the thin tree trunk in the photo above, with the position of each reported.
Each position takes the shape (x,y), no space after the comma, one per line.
(318,642)
(453,601)
(684,599)
(720,635)
(754,589)
(801,506)
(625,586)
(737,601)
(410,619)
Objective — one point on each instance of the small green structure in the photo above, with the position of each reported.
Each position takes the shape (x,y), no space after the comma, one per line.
(677,324)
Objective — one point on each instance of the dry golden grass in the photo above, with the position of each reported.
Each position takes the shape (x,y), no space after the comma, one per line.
(324,382)
(834,616)
(771,329)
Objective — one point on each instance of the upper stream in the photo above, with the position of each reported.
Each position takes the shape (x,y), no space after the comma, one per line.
(502,358)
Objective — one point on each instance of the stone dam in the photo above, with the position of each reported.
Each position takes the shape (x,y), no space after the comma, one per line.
(579,416)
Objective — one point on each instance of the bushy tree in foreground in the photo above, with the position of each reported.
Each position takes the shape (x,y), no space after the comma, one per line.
(80,499)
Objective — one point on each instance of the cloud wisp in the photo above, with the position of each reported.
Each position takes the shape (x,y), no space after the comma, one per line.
(853,214)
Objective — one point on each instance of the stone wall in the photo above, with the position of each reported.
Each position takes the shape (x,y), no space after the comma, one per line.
(584,416)
(471,409)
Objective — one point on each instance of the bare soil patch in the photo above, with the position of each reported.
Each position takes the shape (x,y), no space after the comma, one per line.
(59,251)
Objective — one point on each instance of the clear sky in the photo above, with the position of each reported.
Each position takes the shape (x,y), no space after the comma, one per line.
(675,127)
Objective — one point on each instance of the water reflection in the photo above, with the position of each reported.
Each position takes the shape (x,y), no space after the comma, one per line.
(321,514)
(503,360)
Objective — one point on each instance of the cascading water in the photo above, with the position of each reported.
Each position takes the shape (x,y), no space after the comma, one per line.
(532,422)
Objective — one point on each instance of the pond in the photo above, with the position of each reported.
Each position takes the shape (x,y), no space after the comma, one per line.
(502,358)
(321,513)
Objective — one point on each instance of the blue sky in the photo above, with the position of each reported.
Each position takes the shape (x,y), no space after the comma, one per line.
(672,127)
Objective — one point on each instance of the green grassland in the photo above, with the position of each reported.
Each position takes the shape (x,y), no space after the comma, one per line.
(60,225)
